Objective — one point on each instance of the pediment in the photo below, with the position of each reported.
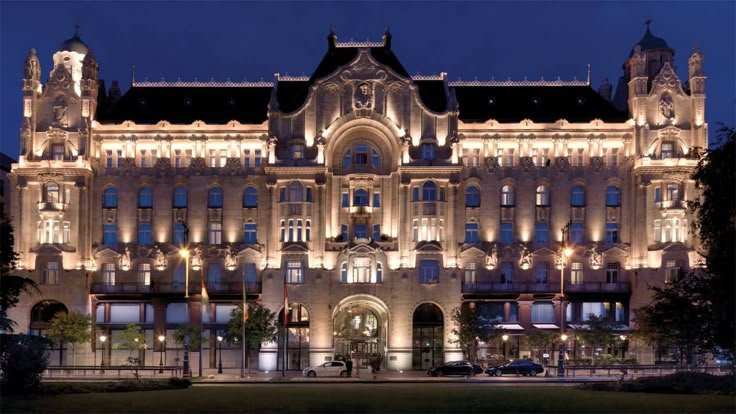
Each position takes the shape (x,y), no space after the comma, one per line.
(615,250)
(106,253)
(472,250)
(431,246)
(666,80)
(544,251)
(295,247)
(676,247)
(362,248)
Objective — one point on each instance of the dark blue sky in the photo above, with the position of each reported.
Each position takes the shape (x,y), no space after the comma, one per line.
(467,40)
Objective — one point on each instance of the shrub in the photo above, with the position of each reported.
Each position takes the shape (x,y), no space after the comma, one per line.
(117,386)
(678,383)
(23,359)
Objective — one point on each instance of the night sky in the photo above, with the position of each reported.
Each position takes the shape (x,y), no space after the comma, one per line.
(239,40)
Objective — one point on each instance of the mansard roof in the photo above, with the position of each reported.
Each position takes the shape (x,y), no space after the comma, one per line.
(186,104)
(538,103)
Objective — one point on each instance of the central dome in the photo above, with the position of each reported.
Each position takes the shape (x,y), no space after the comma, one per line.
(75,44)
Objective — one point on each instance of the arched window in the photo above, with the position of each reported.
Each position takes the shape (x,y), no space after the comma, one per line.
(344,272)
(296,192)
(613,196)
(250,197)
(379,272)
(360,197)
(347,159)
(214,200)
(110,198)
(429,191)
(507,196)
(145,197)
(361,155)
(577,196)
(472,197)
(542,196)
(180,197)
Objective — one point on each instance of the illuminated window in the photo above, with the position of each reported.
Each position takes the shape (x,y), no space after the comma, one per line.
(110,198)
(108,273)
(542,196)
(297,152)
(472,197)
(471,273)
(50,274)
(144,274)
(58,152)
(294,272)
(214,199)
(577,196)
(507,196)
(657,230)
(668,149)
(52,193)
(215,233)
(673,191)
(612,270)
(576,273)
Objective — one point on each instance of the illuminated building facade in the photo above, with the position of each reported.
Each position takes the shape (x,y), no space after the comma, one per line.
(382,200)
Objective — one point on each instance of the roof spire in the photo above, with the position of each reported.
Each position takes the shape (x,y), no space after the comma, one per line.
(647,22)
(76,29)
(132,74)
(588,74)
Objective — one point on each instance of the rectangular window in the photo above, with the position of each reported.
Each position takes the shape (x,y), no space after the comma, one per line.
(620,312)
(144,274)
(541,233)
(613,157)
(429,271)
(213,158)
(283,231)
(144,159)
(249,233)
(246,158)
(415,194)
(579,161)
(50,274)
(471,274)
(362,271)
(291,230)
(58,150)
(345,200)
(344,232)
(120,158)
(540,273)
(543,313)
(257,159)
(309,230)
(427,151)
(108,159)
(376,232)
(576,233)
(471,232)
(576,273)
(67,232)
(376,200)
(508,159)
(297,152)
(593,308)
(180,234)
(215,233)
(177,159)
(507,233)
(657,195)
(360,231)
(611,232)
(507,272)
(144,234)
(657,231)
(310,197)
(299,226)
(415,230)
(612,272)
(672,271)
(668,149)
(223,157)
(361,154)
(108,273)
(110,235)
(214,275)
(294,272)
(249,273)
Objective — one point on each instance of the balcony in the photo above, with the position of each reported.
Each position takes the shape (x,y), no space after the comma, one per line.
(517,287)
(232,287)
(588,287)
(46,207)
(195,287)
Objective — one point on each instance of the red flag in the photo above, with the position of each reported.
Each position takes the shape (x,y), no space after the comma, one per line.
(245,303)
(286,305)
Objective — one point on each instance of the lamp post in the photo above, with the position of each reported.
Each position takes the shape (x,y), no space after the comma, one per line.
(623,346)
(561,357)
(161,339)
(103,338)
(185,365)
(219,366)
(566,252)
(505,338)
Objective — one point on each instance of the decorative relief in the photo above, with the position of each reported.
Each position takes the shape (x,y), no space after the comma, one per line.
(163,166)
(561,164)
(159,259)
(666,109)
(491,164)
(525,258)
(596,259)
(124,260)
(491,259)
(197,166)
(596,163)
(231,261)
(232,167)
(197,258)
(128,166)
(61,112)
(526,164)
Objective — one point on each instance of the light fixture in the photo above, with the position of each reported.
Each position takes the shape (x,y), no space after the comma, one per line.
(103,338)
(622,337)
(219,338)
(505,337)
(184,253)
(567,251)
(230,267)
(563,337)
(161,338)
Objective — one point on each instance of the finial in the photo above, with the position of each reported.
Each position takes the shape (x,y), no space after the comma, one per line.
(76,29)
(588,74)
(332,30)
(132,74)
(647,22)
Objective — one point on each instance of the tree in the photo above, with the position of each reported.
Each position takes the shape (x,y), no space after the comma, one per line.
(539,339)
(71,327)
(194,335)
(715,225)
(132,338)
(260,327)
(598,333)
(679,316)
(23,359)
(11,286)
(470,329)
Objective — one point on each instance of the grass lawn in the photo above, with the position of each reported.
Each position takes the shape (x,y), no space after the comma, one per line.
(366,398)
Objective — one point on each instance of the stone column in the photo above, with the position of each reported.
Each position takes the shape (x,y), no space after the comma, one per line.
(451,243)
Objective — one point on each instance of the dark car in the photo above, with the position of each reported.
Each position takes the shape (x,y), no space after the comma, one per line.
(520,366)
(455,368)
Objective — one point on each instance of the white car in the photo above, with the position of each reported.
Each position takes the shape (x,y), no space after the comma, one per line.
(328,369)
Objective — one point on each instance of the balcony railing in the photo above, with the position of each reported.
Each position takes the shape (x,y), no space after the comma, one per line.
(598,287)
(522,287)
(47,206)
(195,287)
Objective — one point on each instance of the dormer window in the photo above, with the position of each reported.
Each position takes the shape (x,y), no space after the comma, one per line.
(57,152)
(361,155)
(428,151)
(668,149)
(297,152)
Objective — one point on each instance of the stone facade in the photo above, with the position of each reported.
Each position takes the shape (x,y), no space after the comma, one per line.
(378,198)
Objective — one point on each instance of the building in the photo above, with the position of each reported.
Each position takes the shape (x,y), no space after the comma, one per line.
(382,201)
(5,163)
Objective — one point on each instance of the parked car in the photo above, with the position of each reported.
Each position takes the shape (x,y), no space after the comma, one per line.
(455,368)
(520,366)
(328,369)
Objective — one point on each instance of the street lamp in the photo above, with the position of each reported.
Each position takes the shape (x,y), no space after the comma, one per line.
(623,346)
(219,366)
(161,339)
(505,338)
(561,356)
(103,338)
(185,365)
(566,253)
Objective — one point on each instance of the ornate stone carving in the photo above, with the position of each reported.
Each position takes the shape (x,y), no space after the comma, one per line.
(163,166)
(596,259)
(491,259)
(525,258)
(159,259)
(491,164)
(561,164)
(32,69)
(232,166)
(596,163)
(527,164)
(197,258)
(61,112)
(666,109)
(124,260)
(231,261)
(197,166)
(128,166)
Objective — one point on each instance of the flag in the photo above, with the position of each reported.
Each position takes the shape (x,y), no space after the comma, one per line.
(286,305)
(205,302)
(245,302)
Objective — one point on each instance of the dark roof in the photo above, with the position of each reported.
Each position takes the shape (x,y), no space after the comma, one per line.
(295,93)
(74,44)
(650,41)
(432,93)
(538,103)
(184,105)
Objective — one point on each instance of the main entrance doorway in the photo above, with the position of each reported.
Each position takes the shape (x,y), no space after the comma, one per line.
(359,332)
(427,336)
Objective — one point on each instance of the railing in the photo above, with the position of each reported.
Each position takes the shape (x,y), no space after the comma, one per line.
(195,287)
(630,371)
(598,287)
(509,287)
(48,206)
(75,370)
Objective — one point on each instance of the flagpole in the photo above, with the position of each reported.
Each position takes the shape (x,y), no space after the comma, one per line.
(242,330)
(202,311)
(286,319)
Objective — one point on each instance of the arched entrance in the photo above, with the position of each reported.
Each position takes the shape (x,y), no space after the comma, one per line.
(297,345)
(428,328)
(42,313)
(360,326)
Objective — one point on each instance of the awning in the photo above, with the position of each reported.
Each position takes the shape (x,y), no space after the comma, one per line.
(545,326)
(509,326)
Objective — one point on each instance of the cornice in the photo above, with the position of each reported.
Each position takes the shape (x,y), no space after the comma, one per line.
(424,169)
(295,170)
